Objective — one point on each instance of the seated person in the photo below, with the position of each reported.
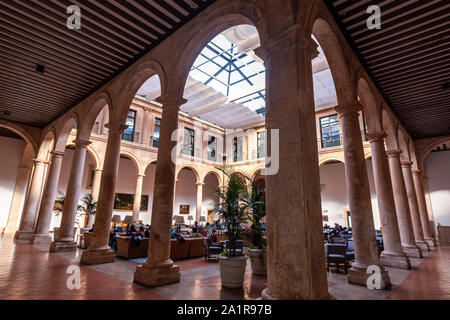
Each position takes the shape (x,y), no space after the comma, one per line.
(195,227)
(147,232)
(176,235)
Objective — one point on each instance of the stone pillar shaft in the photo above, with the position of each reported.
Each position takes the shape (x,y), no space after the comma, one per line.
(159,268)
(392,255)
(199,202)
(65,239)
(48,200)
(366,251)
(137,197)
(19,195)
(293,191)
(402,206)
(99,250)
(28,220)
(423,209)
(96,184)
(413,207)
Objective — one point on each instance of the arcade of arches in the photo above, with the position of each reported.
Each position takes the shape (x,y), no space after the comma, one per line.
(362,169)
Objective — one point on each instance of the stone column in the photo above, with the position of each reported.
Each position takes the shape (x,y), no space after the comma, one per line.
(393,254)
(137,197)
(99,250)
(402,206)
(423,209)
(48,200)
(295,264)
(366,251)
(19,193)
(159,268)
(65,240)
(96,183)
(199,204)
(413,206)
(30,211)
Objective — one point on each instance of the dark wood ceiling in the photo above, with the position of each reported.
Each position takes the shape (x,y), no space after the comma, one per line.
(113,35)
(408,58)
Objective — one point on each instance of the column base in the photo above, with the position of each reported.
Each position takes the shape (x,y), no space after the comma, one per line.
(63,246)
(431,242)
(357,274)
(423,246)
(396,260)
(157,276)
(23,234)
(267,295)
(412,251)
(41,239)
(98,256)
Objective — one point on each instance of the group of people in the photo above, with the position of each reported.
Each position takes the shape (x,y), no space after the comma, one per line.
(136,234)
(338,230)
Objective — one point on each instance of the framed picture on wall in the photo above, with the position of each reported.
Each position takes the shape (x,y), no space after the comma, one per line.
(184,209)
(124,202)
(144,203)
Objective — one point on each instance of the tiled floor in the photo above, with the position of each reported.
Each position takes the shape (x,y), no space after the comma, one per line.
(29,272)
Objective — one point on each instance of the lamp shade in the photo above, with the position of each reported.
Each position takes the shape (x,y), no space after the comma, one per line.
(190,218)
(128,220)
(180,219)
(116,218)
(202,219)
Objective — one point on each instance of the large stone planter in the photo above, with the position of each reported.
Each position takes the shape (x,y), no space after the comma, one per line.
(258,260)
(232,271)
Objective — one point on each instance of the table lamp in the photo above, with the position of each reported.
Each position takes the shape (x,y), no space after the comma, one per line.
(115,219)
(128,220)
(190,218)
(202,219)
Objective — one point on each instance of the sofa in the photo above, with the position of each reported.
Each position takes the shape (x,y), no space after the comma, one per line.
(126,249)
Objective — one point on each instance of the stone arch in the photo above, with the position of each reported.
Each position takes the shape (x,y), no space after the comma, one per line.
(215,173)
(95,106)
(328,39)
(254,173)
(331,160)
(98,165)
(217,20)
(186,166)
(369,102)
(403,144)
(63,132)
(135,160)
(388,126)
(136,76)
(47,144)
(424,152)
(148,163)
(21,132)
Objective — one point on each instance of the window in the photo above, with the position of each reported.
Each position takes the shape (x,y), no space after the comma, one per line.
(261,144)
(156,132)
(237,149)
(329,130)
(188,142)
(128,133)
(212,148)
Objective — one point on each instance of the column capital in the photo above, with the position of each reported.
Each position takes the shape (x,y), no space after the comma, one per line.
(200,184)
(57,154)
(394,153)
(39,161)
(406,164)
(416,172)
(140,176)
(376,136)
(168,100)
(116,127)
(81,143)
(98,170)
(353,107)
(293,35)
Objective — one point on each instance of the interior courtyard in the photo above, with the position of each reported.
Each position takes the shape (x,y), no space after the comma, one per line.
(122,139)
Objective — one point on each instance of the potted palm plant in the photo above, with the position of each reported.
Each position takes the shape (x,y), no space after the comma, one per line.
(89,208)
(257,211)
(232,212)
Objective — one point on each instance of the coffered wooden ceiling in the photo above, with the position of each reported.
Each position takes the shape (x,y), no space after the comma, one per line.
(408,58)
(113,35)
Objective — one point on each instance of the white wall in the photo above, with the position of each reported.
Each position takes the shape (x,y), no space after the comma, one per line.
(210,199)
(148,189)
(185,193)
(437,166)
(12,150)
(334,196)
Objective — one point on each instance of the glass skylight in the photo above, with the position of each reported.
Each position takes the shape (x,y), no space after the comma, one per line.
(235,74)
